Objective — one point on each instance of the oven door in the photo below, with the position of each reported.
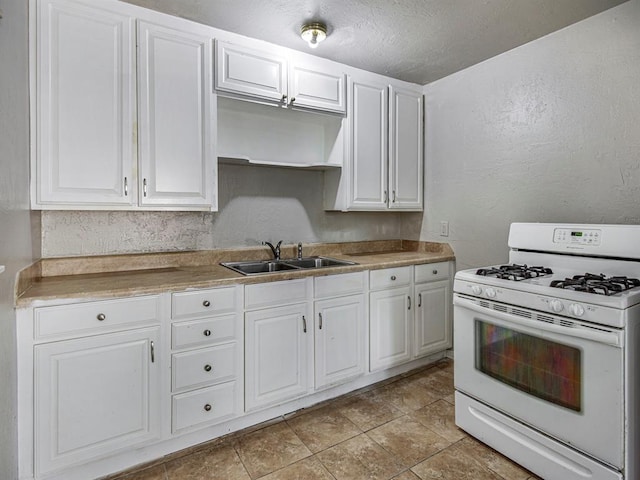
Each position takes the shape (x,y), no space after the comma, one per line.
(561,377)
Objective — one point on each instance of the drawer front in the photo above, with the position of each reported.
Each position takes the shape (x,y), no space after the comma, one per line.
(430,272)
(204,302)
(343,284)
(390,278)
(204,406)
(205,366)
(206,331)
(277,293)
(86,318)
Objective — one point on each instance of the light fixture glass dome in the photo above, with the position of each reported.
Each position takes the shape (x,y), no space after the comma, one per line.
(313,33)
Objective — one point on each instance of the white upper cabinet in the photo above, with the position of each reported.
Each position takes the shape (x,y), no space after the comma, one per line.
(384,166)
(176,112)
(85,105)
(251,72)
(405,149)
(368,147)
(268,76)
(92,150)
(316,88)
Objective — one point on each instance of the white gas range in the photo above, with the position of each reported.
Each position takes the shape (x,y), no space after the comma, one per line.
(547,364)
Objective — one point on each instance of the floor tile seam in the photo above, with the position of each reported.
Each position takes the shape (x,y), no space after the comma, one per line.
(404,468)
(482,465)
(297,461)
(235,450)
(404,465)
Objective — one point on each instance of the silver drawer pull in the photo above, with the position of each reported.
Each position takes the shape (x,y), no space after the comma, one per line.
(206,303)
(101,317)
(152,348)
(393,277)
(207,408)
(207,333)
(207,368)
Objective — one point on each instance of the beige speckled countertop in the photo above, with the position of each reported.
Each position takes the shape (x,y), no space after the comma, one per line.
(123,275)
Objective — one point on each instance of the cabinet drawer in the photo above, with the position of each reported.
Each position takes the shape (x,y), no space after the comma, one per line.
(203,302)
(203,406)
(431,272)
(343,284)
(390,278)
(277,293)
(86,318)
(204,366)
(206,331)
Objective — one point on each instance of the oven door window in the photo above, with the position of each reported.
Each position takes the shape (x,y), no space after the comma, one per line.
(546,369)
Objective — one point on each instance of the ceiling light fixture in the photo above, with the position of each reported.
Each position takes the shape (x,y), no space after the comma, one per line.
(313,33)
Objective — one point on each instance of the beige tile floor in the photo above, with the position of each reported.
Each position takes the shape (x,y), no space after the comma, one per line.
(402,429)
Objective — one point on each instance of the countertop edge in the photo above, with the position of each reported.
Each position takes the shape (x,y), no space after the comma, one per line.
(37,288)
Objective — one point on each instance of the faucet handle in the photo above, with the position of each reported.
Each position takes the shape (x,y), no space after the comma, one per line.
(299,250)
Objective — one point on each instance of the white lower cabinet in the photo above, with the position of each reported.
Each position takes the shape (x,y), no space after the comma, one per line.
(97,395)
(278,344)
(390,324)
(167,371)
(207,357)
(410,313)
(340,328)
(433,323)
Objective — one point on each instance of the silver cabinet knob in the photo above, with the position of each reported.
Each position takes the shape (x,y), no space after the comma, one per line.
(101,316)
(207,368)
(206,303)
(207,408)
(207,333)
(393,277)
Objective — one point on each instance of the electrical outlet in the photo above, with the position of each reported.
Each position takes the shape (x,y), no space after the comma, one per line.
(444,229)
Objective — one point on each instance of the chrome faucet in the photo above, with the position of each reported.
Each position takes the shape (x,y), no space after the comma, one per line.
(299,250)
(275,250)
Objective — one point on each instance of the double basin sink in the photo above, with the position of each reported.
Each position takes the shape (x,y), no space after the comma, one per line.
(272,266)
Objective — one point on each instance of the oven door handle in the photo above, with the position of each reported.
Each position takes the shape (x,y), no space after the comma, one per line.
(600,336)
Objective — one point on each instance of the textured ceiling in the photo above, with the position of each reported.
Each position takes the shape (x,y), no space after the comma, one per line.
(415,40)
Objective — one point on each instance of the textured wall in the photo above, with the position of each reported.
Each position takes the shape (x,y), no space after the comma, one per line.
(256,204)
(15,219)
(547,132)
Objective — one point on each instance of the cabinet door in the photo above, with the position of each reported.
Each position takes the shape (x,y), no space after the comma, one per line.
(339,339)
(278,345)
(85,105)
(405,149)
(318,89)
(246,71)
(433,330)
(176,118)
(391,326)
(368,145)
(95,396)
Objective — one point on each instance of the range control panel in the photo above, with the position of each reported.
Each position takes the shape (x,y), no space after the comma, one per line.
(567,236)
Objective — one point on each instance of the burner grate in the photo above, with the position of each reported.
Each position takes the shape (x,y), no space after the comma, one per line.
(514,272)
(597,284)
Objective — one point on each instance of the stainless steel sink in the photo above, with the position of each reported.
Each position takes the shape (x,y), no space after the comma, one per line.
(253,268)
(317,262)
(271,266)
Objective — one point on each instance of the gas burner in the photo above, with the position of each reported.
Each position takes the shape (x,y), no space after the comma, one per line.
(514,272)
(598,284)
